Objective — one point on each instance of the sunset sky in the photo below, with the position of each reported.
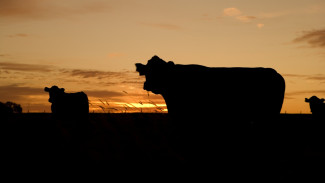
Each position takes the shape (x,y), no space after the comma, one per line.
(92,46)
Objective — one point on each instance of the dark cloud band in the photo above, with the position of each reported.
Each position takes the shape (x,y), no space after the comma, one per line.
(316,77)
(25,67)
(315,38)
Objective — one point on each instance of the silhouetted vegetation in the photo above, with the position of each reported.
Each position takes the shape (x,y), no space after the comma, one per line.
(288,148)
(10,107)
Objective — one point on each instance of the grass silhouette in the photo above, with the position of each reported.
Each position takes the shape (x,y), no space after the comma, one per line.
(290,147)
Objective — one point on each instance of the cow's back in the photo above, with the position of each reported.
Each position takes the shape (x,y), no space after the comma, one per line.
(72,106)
(224,92)
(79,103)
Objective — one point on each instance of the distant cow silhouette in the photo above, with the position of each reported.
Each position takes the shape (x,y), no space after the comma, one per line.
(317,107)
(68,105)
(198,91)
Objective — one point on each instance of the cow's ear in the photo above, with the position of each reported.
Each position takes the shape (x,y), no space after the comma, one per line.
(62,89)
(46,89)
(306,100)
(322,100)
(170,63)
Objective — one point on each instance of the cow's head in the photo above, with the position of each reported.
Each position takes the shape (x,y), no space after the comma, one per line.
(54,92)
(157,73)
(314,100)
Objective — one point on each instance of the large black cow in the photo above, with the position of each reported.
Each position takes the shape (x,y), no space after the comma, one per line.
(317,107)
(211,107)
(68,105)
(230,93)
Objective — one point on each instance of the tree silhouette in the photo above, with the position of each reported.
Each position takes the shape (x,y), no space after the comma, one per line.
(10,107)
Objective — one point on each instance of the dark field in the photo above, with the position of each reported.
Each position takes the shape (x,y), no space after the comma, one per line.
(293,145)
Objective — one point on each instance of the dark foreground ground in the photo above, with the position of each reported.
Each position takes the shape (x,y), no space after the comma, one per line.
(292,146)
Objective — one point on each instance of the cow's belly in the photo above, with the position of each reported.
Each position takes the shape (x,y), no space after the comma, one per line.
(227,100)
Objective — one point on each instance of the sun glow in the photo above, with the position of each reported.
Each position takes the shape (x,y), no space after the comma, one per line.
(118,107)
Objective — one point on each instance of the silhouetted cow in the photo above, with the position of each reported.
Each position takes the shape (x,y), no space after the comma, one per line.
(68,105)
(317,107)
(211,106)
(70,111)
(236,93)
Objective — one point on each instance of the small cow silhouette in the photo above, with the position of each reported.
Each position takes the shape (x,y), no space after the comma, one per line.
(68,105)
(317,106)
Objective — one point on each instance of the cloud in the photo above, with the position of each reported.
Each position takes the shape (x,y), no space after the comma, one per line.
(237,14)
(103,93)
(25,67)
(315,77)
(231,12)
(20,8)
(18,35)
(164,26)
(306,92)
(4,55)
(83,73)
(133,82)
(14,89)
(14,92)
(47,73)
(95,73)
(315,38)
(103,78)
(124,81)
(295,75)
(246,18)
(40,9)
